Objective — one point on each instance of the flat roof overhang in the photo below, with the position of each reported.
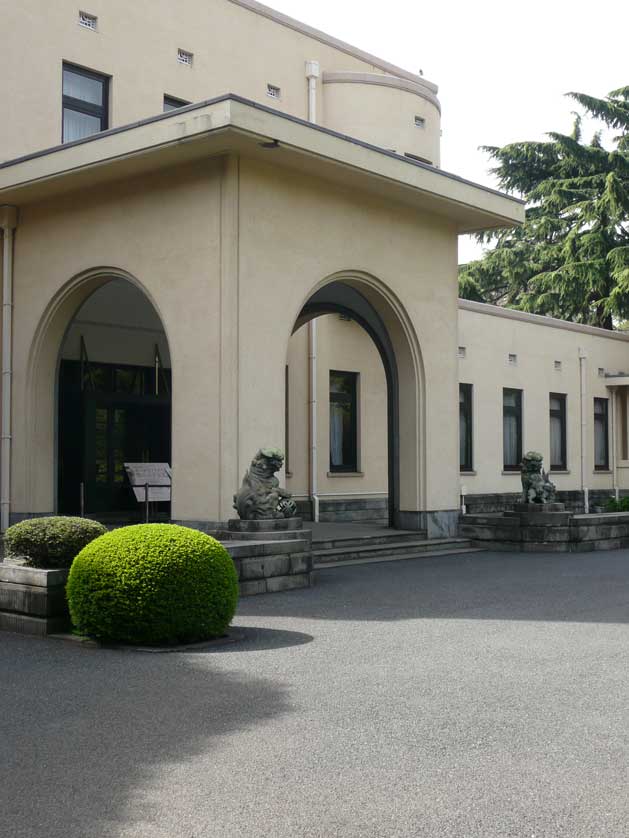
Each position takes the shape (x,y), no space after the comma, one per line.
(231,124)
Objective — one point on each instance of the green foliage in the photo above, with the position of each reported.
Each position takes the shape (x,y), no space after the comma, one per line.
(51,542)
(153,583)
(571,257)
(614,505)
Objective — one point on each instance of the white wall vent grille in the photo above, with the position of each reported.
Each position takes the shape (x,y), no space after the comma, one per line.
(420,122)
(558,366)
(184,57)
(273,91)
(462,352)
(88,21)
(513,360)
(601,372)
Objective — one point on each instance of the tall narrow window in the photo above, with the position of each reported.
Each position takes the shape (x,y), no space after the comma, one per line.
(601,435)
(511,429)
(85,103)
(171,103)
(465,427)
(558,452)
(343,421)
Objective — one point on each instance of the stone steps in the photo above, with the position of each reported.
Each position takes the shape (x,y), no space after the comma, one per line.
(388,551)
(343,542)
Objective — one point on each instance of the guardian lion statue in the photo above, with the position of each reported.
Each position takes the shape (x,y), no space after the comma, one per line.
(536,487)
(260,496)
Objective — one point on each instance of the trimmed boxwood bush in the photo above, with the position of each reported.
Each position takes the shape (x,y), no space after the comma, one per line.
(153,583)
(51,542)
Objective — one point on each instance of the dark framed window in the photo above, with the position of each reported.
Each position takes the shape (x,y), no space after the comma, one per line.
(171,103)
(85,103)
(343,421)
(601,434)
(465,427)
(511,429)
(558,448)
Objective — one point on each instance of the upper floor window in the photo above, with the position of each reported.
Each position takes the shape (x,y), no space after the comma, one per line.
(171,103)
(511,429)
(465,427)
(601,435)
(85,103)
(343,421)
(558,453)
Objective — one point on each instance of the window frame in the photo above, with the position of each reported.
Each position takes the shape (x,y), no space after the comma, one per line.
(353,467)
(468,407)
(174,102)
(517,412)
(560,414)
(80,105)
(605,402)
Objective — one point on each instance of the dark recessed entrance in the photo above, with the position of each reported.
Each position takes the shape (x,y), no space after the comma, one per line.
(112,413)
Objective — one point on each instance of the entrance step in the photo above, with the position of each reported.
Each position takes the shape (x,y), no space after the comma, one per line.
(345,542)
(389,551)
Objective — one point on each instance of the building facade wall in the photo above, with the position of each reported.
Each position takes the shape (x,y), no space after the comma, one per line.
(237,47)
(544,359)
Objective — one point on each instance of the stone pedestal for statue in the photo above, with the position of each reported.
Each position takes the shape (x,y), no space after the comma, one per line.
(540,514)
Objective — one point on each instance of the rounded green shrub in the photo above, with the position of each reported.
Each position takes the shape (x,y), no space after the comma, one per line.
(153,583)
(51,542)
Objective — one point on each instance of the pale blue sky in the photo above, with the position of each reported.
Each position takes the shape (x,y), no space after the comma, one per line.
(502,68)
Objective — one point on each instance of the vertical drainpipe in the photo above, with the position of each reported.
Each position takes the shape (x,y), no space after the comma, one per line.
(8,223)
(583,393)
(313,72)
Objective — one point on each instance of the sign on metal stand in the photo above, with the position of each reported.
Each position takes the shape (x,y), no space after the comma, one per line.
(151,483)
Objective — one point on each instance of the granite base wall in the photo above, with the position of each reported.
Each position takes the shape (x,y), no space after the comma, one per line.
(481,504)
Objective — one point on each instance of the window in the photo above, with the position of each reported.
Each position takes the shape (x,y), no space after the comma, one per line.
(465,427)
(558,456)
(601,435)
(273,91)
(511,429)
(171,103)
(88,21)
(184,57)
(343,421)
(85,103)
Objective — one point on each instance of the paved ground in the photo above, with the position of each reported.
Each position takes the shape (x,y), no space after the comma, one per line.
(481,695)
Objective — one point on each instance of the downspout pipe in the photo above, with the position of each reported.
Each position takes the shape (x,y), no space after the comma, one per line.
(313,72)
(312,404)
(8,224)
(583,394)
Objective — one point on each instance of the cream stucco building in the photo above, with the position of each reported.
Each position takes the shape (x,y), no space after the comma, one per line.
(224,229)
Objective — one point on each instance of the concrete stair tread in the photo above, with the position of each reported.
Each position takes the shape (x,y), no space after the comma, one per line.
(383,547)
(348,542)
(456,551)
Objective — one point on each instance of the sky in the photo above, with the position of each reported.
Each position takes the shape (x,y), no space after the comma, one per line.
(502,67)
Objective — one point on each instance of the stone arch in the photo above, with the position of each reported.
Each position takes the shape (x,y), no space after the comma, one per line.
(40,409)
(378,310)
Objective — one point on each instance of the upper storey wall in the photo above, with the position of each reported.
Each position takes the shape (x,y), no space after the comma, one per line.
(238,47)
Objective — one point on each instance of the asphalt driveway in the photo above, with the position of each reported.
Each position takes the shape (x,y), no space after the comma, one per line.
(480,695)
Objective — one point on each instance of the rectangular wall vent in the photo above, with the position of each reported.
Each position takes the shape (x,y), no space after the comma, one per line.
(601,372)
(184,57)
(513,360)
(558,366)
(462,351)
(273,91)
(420,122)
(88,21)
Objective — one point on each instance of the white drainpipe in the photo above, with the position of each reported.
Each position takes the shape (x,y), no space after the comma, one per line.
(313,71)
(8,223)
(312,403)
(584,413)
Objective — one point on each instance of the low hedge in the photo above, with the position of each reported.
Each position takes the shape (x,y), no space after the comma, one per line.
(51,542)
(153,583)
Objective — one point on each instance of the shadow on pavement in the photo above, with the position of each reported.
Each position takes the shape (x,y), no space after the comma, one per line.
(82,729)
(588,587)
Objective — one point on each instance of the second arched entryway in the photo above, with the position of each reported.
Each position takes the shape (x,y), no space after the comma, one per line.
(368,303)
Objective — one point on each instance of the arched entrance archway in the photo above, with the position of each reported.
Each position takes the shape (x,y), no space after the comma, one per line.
(114,402)
(99,374)
(367,301)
